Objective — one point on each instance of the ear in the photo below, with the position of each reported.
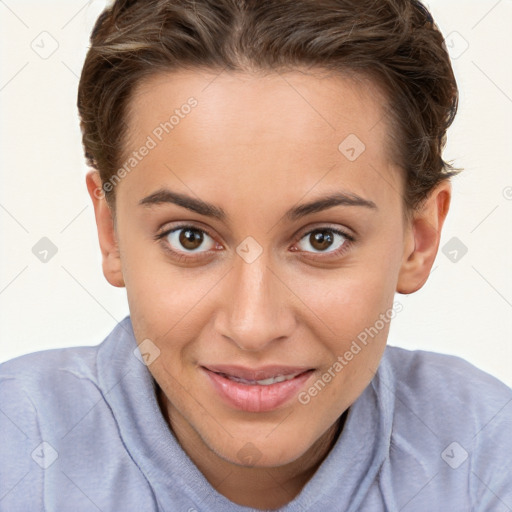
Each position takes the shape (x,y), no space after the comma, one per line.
(107,236)
(422,237)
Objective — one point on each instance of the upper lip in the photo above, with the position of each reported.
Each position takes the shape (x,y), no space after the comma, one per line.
(261,373)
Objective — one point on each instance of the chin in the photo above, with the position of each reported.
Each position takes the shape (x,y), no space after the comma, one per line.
(262,453)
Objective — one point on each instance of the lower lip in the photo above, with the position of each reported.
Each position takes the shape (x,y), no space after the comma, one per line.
(257,398)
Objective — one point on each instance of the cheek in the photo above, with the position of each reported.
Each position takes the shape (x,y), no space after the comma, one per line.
(165,301)
(352,320)
(347,301)
(353,304)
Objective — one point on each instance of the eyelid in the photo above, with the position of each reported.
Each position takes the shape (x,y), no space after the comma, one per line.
(345,232)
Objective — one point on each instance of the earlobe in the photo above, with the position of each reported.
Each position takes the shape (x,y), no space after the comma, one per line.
(422,239)
(111,258)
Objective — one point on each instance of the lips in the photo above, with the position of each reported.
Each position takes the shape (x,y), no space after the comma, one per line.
(257,389)
(258,374)
(261,382)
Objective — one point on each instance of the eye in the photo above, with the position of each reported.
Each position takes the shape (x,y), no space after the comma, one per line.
(183,240)
(322,239)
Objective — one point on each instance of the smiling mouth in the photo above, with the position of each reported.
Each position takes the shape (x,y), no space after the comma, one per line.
(262,382)
(275,387)
(263,375)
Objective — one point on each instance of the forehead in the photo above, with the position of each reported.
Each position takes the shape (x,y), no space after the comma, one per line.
(253,108)
(280,129)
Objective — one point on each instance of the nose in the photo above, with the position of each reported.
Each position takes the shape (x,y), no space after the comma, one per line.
(258,308)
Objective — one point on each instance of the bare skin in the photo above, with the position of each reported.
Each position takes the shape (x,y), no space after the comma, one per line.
(257,146)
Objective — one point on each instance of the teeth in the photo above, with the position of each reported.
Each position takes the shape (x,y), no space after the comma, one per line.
(264,382)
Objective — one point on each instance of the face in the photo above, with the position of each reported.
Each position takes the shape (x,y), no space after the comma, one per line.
(228,271)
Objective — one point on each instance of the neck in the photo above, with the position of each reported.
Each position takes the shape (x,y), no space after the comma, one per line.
(257,487)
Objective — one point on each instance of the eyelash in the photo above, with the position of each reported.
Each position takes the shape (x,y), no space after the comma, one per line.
(349,241)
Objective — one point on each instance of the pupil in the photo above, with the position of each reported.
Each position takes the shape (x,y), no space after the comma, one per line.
(323,241)
(190,239)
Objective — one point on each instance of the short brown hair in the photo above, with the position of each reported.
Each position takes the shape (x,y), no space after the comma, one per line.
(395,43)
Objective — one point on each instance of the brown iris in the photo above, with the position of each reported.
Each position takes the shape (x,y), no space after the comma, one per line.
(190,238)
(320,241)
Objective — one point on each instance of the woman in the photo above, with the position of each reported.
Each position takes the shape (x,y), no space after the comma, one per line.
(265,177)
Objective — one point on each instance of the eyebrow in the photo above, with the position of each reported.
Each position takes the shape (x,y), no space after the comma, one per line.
(165,196)
(323,203)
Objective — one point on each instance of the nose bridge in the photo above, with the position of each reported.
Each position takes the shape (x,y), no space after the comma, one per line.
(256,311)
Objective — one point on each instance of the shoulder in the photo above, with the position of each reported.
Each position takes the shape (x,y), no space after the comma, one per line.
(54,416)
(59,423)
(47,376)
(52,388)
(444,381)
(440,387)
(48,364)
(417,370)
(58,366)
(53,384)
(40,395)
(39,387)
(452,420)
